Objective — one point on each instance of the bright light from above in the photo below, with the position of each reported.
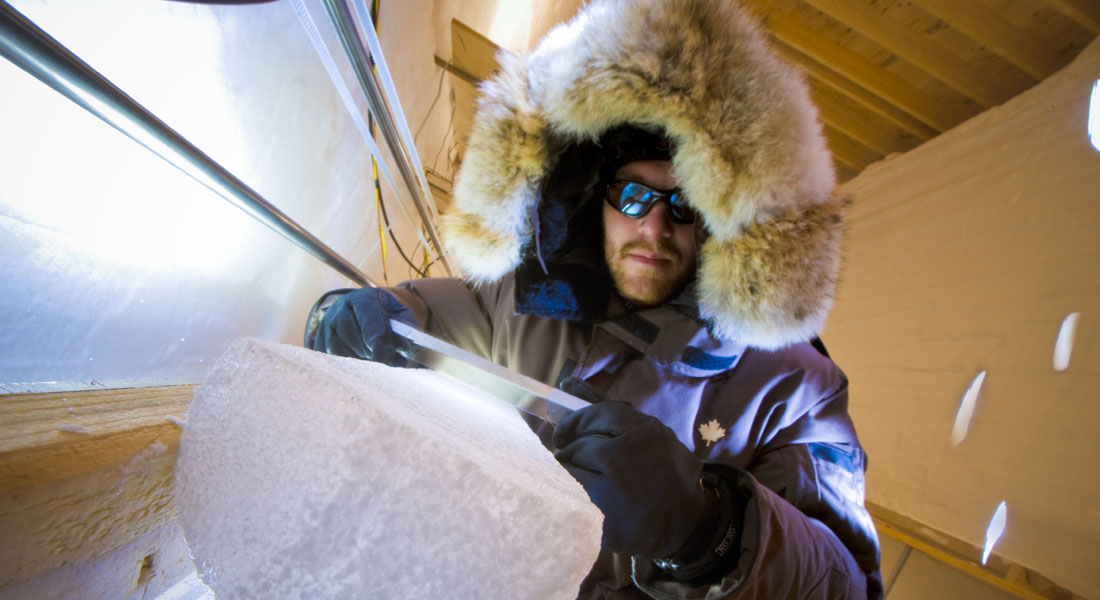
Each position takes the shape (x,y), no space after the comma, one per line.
(995,529)
(966,410)
(93,187)
(1063,347)
(1094,115)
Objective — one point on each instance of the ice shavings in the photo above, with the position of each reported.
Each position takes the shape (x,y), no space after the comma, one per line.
(314,476)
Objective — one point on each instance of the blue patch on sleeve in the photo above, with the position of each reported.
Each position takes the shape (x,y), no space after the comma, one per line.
(830,453)
(694,357)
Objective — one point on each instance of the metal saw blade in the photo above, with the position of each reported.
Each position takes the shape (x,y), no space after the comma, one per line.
(529,395)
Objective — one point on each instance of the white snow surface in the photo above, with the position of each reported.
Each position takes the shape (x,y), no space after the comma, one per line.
(303,475)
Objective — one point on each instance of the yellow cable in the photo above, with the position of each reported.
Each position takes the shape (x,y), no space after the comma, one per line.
(378,217)
(377,192)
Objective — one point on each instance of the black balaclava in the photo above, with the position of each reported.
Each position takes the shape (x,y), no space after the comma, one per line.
(563,274)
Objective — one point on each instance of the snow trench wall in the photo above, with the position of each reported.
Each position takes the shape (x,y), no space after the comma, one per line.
(965,255)
(115,265)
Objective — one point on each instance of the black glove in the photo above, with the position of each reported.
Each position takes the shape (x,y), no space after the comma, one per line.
(358,325)
(635,470)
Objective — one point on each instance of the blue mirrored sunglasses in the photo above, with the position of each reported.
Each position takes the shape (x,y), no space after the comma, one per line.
(635,201)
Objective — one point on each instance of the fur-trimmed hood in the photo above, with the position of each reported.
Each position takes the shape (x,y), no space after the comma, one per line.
(748,153)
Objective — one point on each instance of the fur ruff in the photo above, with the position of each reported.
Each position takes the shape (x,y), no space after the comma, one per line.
(749,154)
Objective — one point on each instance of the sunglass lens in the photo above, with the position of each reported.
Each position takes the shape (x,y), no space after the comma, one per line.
(634,200)
(681,212)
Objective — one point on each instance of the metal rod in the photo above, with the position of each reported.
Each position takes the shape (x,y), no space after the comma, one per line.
(897,571)
(359,58)
(33,50)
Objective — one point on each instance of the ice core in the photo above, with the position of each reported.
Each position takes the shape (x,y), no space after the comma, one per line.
(302,475)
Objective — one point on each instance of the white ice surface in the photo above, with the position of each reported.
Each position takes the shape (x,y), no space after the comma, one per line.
(302,475)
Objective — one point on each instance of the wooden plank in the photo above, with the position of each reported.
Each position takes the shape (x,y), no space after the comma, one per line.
(835,111)
(861,72)
(473,58)
(985,26)
(84,473)
(472,52)
(1085,12)
(916,49)
(44,437)
(998,571)
(442,189)
(876,104)
(456,71)
(847,151)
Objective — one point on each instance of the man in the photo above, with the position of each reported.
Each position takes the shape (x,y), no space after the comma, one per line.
(646,217)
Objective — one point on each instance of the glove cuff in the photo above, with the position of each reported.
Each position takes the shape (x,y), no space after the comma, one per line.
(715,539)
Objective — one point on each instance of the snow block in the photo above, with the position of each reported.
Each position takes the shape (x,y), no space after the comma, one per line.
(303,475)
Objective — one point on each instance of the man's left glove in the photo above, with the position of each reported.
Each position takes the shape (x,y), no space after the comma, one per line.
(635,470)
(357,324)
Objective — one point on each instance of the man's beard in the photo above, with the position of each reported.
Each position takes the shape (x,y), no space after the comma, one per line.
(648,287)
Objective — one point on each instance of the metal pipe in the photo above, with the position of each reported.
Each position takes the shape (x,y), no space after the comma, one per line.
(359,57)
(33,50)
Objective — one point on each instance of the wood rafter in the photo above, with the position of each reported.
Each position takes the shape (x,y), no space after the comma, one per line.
(866,74)
(1085,12)
(996,33)
(915,49)
(833,114)
(876,104)
(848,151)
(882,80)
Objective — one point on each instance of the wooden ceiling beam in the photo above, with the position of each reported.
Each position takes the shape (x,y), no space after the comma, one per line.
(1085,12)
(864,73)
(876,104)
(848,151)
(915,49)
(993,31)
(863,131)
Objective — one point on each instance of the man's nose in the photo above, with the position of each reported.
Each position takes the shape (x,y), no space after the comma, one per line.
(658,221)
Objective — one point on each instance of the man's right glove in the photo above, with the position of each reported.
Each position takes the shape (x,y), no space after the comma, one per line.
(659,501)
(635,470)
(358,325)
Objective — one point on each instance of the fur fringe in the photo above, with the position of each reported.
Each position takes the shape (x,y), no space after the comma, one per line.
(749,156)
